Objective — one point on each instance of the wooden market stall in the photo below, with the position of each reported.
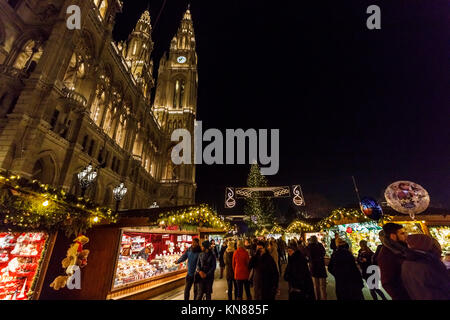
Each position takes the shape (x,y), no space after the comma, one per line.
(133,259)
(33,217)
(355,226)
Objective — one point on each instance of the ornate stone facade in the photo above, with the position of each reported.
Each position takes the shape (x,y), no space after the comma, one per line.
(73,97)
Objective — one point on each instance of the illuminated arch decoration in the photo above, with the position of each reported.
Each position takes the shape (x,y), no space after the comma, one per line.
(231,194)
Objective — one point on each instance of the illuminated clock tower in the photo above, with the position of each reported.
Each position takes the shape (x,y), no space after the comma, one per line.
(175,103)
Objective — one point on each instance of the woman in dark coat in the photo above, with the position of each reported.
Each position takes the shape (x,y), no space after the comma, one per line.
(266,277)
(229,271)
(424,275)
(223,248)
(316,255)
(298,276)
(348,279)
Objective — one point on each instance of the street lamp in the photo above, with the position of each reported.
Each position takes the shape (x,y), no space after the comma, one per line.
(119,193)
(86,177)
(154,205)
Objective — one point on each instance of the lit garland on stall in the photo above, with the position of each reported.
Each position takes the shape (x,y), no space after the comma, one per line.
(191,217)
(276,229)
(298,226)
(29,205)
(342,216)
(261,233)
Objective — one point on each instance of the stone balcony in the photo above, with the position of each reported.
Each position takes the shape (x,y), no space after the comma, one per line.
(74,97)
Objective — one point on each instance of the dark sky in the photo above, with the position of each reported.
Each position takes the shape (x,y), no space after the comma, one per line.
(347,100)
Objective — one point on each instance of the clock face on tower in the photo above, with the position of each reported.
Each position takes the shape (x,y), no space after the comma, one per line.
(181,59)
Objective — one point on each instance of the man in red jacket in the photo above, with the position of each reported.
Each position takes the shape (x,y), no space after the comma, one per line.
(391,258)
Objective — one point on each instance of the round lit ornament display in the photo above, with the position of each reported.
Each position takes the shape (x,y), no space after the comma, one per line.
(371,208)
(349,230)
(407,197)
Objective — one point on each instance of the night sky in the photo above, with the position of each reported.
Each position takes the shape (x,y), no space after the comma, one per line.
(347,100)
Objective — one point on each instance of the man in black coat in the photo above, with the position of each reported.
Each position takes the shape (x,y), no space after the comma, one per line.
(348,279)
(223,249)
(204,277)
(298,276)
(266,277)
(390,259)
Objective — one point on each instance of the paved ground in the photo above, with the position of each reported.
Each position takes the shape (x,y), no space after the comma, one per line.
(220,290)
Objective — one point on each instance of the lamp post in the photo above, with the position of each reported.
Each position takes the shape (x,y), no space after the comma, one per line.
(119,193)
(154,205)
(86,177)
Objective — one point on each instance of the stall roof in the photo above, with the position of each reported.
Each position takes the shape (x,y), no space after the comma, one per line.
(429,212)
(152,214)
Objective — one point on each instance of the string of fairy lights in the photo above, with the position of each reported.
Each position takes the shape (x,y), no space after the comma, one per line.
(30,205)
(202,216)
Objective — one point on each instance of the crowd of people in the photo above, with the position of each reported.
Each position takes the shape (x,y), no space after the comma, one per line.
(410,267)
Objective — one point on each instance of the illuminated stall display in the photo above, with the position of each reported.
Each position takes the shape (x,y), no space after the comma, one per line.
(441,234)
(21,256)
(144,256)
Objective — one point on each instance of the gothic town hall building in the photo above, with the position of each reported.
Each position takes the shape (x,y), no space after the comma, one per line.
(69,98)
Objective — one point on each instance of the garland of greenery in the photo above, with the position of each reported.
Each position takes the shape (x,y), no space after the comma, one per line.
(29,206)
(299,226)
(342,214)
(192,217)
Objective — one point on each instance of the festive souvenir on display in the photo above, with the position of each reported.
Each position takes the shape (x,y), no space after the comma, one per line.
(371,208)
(159,257)
(407,197)
(75,256)
(20,259)
(349,230)
(442,235)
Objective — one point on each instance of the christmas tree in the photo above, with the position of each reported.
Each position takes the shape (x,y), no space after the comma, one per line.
(260,211)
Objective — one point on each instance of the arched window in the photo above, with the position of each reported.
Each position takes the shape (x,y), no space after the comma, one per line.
(97,107)
(75,70)
(31,52)
(121,130)
(178,94)
(108,121)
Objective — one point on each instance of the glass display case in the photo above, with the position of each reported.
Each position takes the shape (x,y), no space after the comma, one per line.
(20,258)
(144,255)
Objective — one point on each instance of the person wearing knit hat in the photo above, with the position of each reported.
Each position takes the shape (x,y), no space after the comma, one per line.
(423,274)
(422,242)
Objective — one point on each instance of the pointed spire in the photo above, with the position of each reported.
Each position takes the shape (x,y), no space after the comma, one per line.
(187,14)
(145,18)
